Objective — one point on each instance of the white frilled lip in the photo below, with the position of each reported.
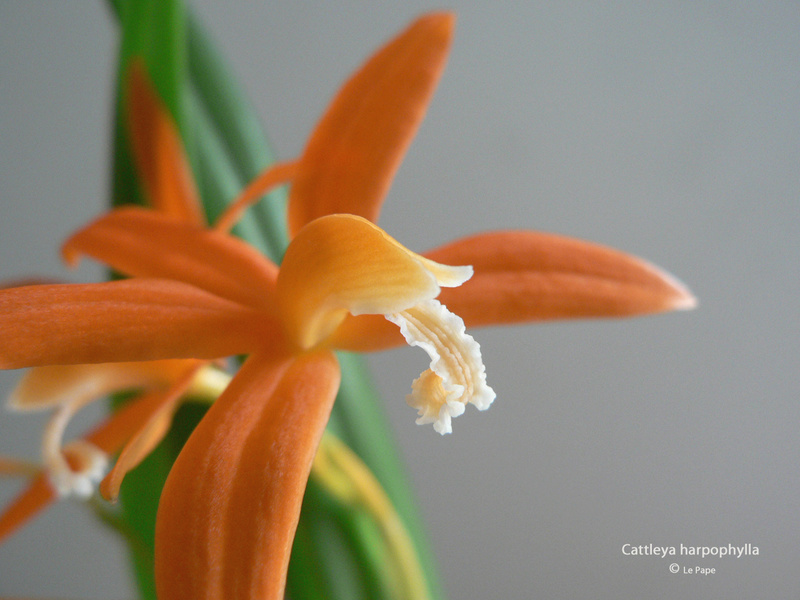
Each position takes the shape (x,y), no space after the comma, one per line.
(456,376)
(340,264)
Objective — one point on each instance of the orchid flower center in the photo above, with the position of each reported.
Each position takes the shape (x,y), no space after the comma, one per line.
(342,264)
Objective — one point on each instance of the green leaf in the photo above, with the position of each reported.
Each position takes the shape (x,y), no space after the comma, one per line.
(240,133)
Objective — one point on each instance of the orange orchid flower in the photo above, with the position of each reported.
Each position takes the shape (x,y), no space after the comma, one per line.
(231,503)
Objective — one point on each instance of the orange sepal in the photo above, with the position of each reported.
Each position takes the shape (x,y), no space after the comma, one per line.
(144,243)
(37,496)
(353,153)
(149,434)
(272,176)
(158,152)
(136,319)
(530,276)
(53,385)
(230,505)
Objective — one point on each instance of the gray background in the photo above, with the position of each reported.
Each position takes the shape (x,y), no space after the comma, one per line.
(669,130)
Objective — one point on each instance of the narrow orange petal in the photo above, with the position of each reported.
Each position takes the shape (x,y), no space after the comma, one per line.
(230,506)
(272,176)
(528,276)
(37,496)
(111,434)
(351,157)
(158,151)
(149,434)
(137,319)
(45,387)
(143,243)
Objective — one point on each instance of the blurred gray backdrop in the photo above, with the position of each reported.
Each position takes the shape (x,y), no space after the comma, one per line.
(669,130)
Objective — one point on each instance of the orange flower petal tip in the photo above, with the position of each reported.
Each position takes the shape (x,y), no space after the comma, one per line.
(679,296)
(157,149)
(31,501)
(443,21)
(358,144)
(531,276)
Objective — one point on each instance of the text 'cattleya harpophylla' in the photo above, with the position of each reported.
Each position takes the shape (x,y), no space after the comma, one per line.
(231,503)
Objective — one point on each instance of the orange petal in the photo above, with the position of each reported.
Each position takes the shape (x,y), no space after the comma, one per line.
(144,243)
(272,176)
(158,151)
(137,319)
(343,263)
(45,387)
(366,333)
(112,434)
(529,276)
(230,506)
(33,499)
(351,157)
(148,436)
